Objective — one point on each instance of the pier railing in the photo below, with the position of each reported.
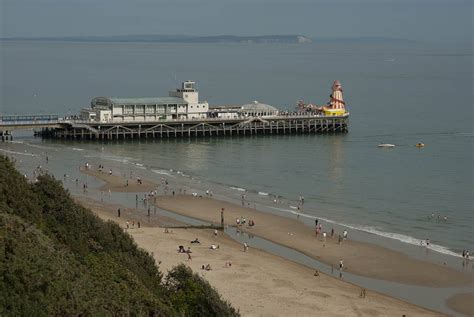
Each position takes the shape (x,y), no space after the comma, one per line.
(207,119)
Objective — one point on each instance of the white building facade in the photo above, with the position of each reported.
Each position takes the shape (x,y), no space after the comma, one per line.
(181,104)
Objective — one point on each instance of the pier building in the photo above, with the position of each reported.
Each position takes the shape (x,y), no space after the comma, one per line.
(182,103)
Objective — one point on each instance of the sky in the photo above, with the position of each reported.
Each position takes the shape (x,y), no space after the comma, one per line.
(425,20)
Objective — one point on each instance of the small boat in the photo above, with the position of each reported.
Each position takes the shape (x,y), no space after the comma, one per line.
(386,145)
(420,145)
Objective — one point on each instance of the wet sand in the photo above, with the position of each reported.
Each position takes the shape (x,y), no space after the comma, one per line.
(462,303)
(257,283)
(117,182)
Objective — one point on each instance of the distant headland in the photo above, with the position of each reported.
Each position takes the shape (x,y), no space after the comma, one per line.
(294,39)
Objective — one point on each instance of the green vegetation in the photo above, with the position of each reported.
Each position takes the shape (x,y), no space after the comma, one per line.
(58,258)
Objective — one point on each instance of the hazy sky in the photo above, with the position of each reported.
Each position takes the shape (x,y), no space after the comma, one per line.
(433,20)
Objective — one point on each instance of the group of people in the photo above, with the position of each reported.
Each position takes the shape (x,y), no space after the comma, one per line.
(444,218)
(319,228)
(465,254)
(132,225)
(242,221)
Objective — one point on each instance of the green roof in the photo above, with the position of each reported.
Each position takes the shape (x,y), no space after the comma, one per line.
(147,101)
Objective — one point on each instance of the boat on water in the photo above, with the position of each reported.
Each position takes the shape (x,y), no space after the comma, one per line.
(387,145)
(418,145)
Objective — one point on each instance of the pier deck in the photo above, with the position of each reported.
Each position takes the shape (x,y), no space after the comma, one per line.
(286,124)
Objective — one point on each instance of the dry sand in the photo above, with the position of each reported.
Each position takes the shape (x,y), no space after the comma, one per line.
(359,258)
(258,283)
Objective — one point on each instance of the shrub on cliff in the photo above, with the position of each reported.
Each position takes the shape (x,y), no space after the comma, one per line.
(58,258)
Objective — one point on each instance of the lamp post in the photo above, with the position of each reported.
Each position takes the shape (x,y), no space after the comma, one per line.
(222,217)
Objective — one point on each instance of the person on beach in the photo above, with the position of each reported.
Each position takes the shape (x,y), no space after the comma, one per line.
(246,246)
(215,233)
(324,239)
(110,172)
(127,224)
(341,265)
(118,212)
(339,239)
(237,221)
(344,234)
(332,233)
(126,183)
(148,211)
(427,242)
(316,223)
(214,247)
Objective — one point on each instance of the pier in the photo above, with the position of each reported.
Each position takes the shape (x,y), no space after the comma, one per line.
(210,127)
(9,123)
(180,115)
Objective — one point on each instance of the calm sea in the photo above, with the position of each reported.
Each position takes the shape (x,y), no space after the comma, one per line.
(397,93)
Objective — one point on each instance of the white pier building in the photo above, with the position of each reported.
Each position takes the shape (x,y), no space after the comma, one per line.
(183,103)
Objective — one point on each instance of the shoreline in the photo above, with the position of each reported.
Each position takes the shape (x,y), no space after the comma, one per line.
(359,257)
(391,238)
(256,278)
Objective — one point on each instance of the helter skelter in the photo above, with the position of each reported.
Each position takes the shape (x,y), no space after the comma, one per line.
(336,105)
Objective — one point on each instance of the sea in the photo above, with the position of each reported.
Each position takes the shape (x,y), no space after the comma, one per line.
(401,93)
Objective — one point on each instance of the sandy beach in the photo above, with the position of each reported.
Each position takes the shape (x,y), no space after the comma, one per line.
(360,258)
(258,283)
